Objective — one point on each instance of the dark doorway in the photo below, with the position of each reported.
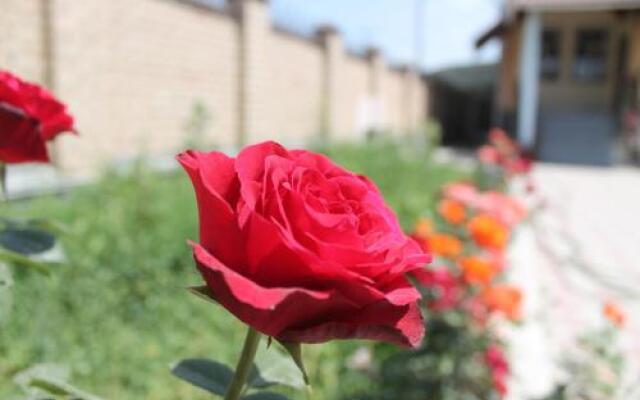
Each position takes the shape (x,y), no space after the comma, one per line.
(462,102)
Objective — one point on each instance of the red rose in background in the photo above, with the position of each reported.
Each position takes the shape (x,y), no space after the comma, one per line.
(29,117)
(443,285)
(301,249)
(499,366)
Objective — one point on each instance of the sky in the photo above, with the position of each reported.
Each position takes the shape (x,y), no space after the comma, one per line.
(450,27)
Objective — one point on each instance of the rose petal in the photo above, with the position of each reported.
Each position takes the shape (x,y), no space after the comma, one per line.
(401,325)
(20,140)
(215,186)
(269,310)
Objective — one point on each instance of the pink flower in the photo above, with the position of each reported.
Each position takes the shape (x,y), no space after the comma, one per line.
(462,192)
(502,207)
(488,154)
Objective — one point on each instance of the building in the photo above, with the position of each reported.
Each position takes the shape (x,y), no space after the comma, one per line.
(569,72)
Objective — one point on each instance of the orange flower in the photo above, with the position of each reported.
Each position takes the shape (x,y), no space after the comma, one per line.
(614,314)
(504,299)
(445,245)
(452,211)
(423,228)
(477,270)
(488,232)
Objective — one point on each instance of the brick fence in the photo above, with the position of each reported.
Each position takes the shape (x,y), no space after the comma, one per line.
(133,71)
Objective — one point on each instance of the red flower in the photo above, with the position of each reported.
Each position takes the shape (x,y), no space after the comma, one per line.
(499,366)
(301,249)
(29,117)
(444,286)
(505,152)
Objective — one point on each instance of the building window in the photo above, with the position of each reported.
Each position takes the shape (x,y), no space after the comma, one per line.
(590,64)
(550,63)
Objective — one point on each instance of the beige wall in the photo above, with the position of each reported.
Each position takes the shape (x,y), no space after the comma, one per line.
(395,113)
(21,38)
(132,72)
(356,97)
(296,86)
(133,78)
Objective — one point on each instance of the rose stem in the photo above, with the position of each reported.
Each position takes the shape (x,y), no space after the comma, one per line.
(245,363)
(3,174)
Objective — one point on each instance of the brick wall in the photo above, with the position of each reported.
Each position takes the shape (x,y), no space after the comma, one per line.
(295,84)
(21,33)
(133,72)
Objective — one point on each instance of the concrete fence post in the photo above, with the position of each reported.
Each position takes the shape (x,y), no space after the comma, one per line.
(334,53)
(411,113)
(254,25)
(377,67)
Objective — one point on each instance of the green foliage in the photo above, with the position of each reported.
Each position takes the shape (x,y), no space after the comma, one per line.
(595,369)
(117,312)
(448,366)
(46,380)
(208,375)
(271,368)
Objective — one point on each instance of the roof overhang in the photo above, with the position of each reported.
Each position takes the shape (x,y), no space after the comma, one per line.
(516,8)
(495,31)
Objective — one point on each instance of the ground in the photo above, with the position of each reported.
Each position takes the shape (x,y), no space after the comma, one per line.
(581,249)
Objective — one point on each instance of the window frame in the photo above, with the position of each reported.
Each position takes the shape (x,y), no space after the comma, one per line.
(576,76)
(557,73)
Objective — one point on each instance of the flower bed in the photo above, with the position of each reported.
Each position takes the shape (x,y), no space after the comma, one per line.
(142,299)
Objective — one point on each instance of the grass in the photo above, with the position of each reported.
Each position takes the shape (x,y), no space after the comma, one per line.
(117,312)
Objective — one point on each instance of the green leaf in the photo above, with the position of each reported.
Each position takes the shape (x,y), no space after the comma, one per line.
(26,241)
(276,368)
(203,292)
(295,351)
(50,379)
(54,227)
(20,260)
(209,375)
(265,396)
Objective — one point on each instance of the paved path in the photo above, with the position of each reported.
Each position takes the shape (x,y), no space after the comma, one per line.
(580,250)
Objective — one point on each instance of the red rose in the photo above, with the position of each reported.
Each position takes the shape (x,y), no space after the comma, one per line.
(499,367)
(443,285)
(29,117)
(301,249)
